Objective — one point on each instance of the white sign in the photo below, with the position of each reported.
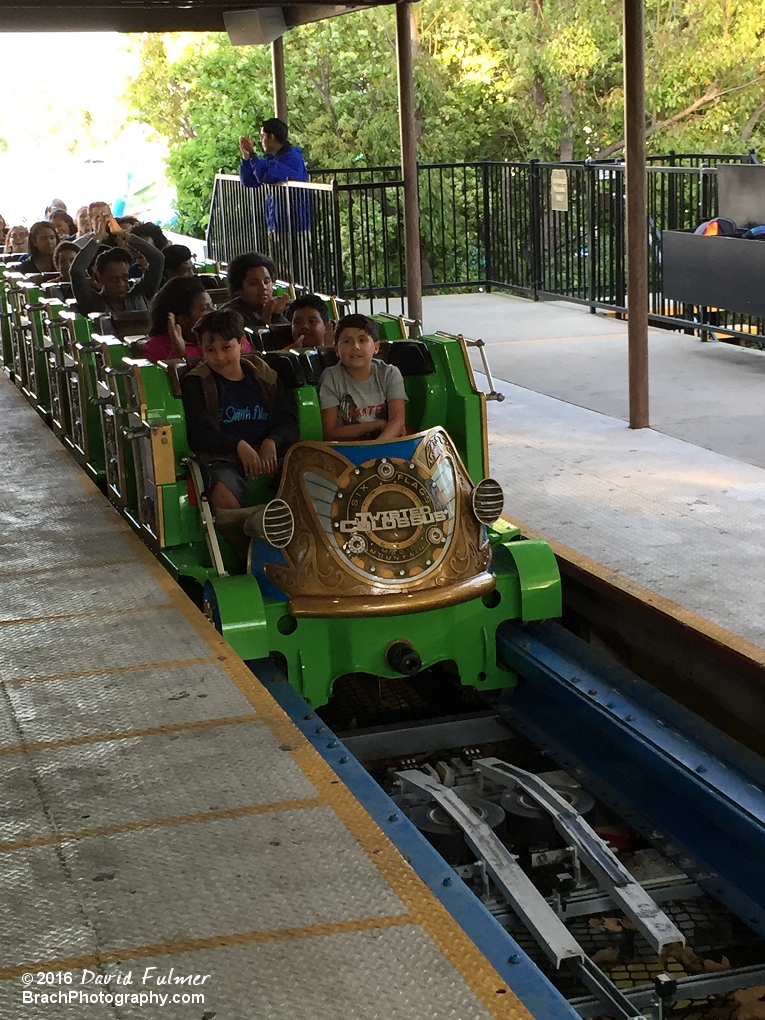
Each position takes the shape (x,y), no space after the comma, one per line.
(559,191)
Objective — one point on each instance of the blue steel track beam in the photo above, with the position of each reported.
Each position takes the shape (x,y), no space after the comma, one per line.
(701,801)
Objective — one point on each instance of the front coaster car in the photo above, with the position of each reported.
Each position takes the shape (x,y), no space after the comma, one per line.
(393,566)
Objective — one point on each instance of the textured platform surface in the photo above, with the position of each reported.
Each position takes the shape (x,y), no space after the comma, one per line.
(163,818)
(679,520)
(708,394)
(675,511)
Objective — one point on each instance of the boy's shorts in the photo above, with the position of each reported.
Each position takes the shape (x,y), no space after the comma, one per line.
(228,473)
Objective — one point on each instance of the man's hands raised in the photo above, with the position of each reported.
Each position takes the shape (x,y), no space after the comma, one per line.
(246,147)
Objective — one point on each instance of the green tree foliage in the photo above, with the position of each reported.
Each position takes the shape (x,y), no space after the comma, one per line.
(496,79)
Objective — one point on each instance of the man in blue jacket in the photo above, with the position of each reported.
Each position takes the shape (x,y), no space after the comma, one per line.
(281,162)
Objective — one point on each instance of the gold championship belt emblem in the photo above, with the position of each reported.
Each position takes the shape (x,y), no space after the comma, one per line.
(391,518)
(382,534)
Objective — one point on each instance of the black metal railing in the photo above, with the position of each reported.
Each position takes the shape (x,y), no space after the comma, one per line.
(483,225)
(295,224)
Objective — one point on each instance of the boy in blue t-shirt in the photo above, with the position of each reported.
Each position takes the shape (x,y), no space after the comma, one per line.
(239,418)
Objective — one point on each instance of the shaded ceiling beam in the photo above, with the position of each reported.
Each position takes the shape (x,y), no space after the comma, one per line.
(154,17)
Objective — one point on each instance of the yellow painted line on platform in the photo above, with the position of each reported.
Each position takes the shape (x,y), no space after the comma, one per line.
(214,942)
(108,671)
(20,620)
(167,822)
(148,731)
(426,909)
(686,617)
(556,339)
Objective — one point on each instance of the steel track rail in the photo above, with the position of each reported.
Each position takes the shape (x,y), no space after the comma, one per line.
(690,790)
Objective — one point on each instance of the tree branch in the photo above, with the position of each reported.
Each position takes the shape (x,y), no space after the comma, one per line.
(710,97)
(751,124)
(323,89)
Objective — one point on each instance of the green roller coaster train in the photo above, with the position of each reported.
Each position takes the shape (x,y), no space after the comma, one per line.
(371,558)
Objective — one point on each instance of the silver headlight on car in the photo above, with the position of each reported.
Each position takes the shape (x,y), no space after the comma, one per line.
(488,500)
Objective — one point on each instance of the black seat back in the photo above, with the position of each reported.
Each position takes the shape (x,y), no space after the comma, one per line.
(276,338)
(123,324)
(312,366)
(176,369)
(219,295)
(287,366)
(327,357)
(411,357)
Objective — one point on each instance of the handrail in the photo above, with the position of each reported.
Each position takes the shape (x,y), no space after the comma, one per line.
(299,185)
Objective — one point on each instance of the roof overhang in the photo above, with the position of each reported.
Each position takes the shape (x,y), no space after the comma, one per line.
(153,15)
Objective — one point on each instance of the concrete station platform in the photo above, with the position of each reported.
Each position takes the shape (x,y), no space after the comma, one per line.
(676,512)
(163,817)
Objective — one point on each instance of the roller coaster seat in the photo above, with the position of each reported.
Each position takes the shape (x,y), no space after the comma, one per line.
(411,357)
(438,384)
(276,338)
(219,295)
(286,366)
(123,325)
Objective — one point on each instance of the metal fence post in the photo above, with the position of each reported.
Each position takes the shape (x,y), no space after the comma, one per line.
(637,232)
(409,159)
(592,236)
(535,227)
(487,231)
(337,244)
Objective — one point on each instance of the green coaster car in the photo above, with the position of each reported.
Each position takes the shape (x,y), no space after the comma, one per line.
(377,558)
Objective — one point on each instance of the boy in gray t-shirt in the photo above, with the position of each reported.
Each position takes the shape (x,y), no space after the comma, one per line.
(361,398)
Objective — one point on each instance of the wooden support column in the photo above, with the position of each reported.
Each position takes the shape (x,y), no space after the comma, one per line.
(409,160)
(280,84)
(637,233)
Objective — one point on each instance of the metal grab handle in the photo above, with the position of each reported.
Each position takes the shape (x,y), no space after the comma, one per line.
(102,401)
(118,370)
(481,347)
(405,322)
(416,324)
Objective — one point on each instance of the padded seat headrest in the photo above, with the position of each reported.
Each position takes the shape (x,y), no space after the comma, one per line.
(276,338)
(312,366)
(219,295)
(411,357)
(327,357)
(123,324)
(287,367)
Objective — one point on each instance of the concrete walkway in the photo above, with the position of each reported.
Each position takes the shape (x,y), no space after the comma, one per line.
(678,509)
(708,394)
